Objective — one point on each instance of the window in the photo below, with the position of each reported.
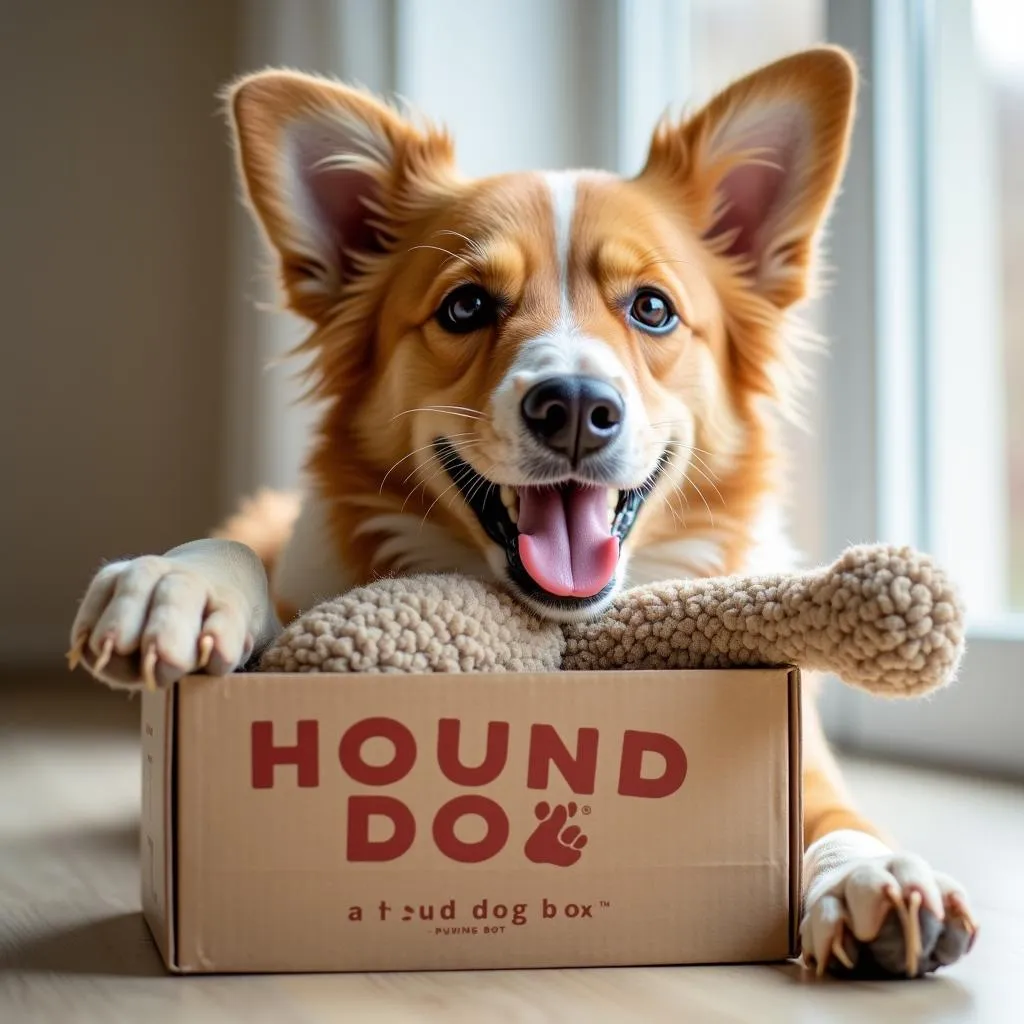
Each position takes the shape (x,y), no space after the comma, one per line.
(928,321)
(999,32)
(918,426)
(729,38)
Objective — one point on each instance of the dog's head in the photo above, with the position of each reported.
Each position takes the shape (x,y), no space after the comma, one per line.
(553,368)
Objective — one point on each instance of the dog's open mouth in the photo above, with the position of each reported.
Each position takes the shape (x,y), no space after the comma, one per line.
(561,541)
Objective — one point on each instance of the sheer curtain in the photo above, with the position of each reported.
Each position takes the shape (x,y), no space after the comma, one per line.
(265,429)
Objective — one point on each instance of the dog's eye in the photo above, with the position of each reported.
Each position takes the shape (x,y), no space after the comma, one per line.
(468,308)
(652,312)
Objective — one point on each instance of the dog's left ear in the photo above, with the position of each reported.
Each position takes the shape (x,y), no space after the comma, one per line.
(758,167)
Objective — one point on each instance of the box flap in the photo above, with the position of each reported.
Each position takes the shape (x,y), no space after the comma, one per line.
(796,808)
(157,836)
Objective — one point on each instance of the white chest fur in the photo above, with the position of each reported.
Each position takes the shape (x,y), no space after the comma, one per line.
(309,569)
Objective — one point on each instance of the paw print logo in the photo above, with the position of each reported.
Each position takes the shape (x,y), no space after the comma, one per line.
(554,840)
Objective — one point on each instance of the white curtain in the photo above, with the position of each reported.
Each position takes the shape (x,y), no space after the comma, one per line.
(266,431)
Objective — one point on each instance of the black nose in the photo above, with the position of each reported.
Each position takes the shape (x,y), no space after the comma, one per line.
(574,416)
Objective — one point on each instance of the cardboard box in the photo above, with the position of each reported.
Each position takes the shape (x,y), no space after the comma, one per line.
(394,822)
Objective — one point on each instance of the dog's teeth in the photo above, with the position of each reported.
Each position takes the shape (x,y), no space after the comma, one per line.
(510,499)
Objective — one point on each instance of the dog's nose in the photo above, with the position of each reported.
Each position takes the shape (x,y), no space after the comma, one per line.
(573,415)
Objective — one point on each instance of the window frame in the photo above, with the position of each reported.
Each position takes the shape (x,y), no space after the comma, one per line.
(889,400)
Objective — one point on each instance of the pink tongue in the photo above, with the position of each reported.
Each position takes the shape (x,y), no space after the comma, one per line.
(565,542)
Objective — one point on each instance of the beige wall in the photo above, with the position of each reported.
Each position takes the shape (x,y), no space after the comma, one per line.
(114,232)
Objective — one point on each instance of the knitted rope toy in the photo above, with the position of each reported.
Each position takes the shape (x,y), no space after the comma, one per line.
(883,619)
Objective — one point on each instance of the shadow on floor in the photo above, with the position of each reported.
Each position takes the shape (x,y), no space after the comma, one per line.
(117,839)
(935,996)
(65,703)
(120,946)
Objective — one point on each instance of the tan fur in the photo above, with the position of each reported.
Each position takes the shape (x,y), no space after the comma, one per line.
(264,522)
(378,353)
(828,806)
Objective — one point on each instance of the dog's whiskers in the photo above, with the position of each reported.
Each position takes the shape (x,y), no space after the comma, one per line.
(433,461)
(440,469)
(678,490)
(714,487)
(439,248)
(450,410)
(700,466)
(458,448)
(697,465)
(648,487)
(675,440)
(457,234)
(692,483)
(481,480)
(476,249)
(477,486)
(467,470)
(700,494)
(416,451)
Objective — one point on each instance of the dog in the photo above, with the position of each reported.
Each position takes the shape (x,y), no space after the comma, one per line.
(560,381)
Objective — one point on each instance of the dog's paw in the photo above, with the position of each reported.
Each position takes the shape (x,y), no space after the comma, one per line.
(881,914)
(152,620)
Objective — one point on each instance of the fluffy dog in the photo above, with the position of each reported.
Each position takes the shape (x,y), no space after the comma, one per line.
(560,381)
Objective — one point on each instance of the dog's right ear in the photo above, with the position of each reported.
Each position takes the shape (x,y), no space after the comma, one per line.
(330,172)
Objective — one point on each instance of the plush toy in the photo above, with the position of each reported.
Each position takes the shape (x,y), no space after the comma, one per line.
(883,619)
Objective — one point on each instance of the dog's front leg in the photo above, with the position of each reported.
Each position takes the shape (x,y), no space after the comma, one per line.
(869,910)
(201,607)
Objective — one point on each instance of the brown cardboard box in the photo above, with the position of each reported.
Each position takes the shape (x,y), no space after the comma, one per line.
(505,821)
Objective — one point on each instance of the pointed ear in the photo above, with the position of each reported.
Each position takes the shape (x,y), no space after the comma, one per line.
(758,167)
(329,172)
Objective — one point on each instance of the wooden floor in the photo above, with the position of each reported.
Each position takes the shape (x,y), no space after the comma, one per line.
(73,946)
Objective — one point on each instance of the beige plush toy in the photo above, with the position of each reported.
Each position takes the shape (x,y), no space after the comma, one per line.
(883,619)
